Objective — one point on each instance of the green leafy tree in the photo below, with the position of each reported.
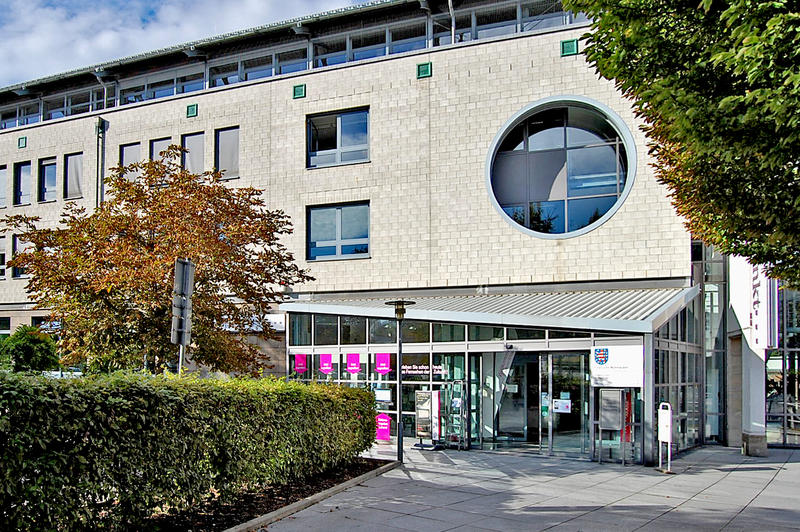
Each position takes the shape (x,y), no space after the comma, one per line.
(29,349)
(107,276)
(718,86)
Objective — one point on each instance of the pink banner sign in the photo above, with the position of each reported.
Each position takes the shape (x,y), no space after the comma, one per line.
(383,363)
(300,364)
(353,363)
(383,424)
(325,363)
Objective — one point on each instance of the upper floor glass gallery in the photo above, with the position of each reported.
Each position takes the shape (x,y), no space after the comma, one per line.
(352,34)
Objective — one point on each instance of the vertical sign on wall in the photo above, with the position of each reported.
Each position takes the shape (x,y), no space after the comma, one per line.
(383,424)
(353,363)
(383,363)
(300,364)
(325,363)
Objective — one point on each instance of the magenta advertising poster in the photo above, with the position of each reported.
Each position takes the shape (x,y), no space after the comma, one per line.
(383,363)
(383,424)
(325,363)
(300,365)
(353,363)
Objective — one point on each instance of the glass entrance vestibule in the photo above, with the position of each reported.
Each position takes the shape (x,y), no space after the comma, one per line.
(534,398)
(530,388)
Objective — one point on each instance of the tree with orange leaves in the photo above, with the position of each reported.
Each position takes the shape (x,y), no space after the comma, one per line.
(107,275)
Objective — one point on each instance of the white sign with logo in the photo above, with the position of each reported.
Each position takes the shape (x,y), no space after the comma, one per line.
(620,365)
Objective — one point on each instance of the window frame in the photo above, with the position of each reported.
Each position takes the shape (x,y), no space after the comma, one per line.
(339,150)
(18,246)
(339,241)
(68,178)
(41,185)
(623,133)
(17,196)
(217,132)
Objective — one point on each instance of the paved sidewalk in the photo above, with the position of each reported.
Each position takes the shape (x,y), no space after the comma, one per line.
(714,489)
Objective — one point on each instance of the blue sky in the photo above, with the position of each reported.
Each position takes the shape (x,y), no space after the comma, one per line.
(43,37)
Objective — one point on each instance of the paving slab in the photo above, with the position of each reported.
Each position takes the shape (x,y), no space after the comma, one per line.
(715,488)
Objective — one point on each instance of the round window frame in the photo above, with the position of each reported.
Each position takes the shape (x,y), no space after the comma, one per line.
(552,102)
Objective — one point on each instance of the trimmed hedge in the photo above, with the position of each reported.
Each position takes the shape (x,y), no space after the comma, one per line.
(106,451)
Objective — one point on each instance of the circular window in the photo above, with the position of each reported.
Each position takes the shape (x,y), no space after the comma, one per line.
(561,168)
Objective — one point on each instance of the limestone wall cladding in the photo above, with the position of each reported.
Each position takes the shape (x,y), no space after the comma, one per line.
(432,223)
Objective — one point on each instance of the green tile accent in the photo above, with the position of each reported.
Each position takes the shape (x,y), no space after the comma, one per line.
(299,91)
(569,47)
(191,110)
(424,70)
(22,142)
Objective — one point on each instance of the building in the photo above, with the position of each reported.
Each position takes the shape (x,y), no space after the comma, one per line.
(469,161)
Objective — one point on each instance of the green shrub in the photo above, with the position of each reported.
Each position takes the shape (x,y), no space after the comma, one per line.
(106,451)
(29,349)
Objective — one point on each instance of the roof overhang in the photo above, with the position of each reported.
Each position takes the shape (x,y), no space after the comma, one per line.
(624,310)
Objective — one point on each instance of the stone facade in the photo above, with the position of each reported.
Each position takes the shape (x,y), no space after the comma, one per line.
(432,223)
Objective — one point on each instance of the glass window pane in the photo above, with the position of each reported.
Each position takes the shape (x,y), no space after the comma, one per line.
(515,140)
(354,128)
(416,367)
(416,331)
(546,130)
(192,160)
(516,213)
(355,249)
(322,132)
(353,330)
(227,152)
(322,224)
(299,329)
(547,216)
(585,127)
(223,75)
(259,67)
(321,251)
(449,366)
(568,334)
(157,146)
(73,174)
(325,330)
(47,180)
(592,171)
(355,221)
(22,183)
(525,334)
(480,333)
(129,154)
(448,332)
(3,184)
(583,212)
(382,331)
(547,175)
(191,83)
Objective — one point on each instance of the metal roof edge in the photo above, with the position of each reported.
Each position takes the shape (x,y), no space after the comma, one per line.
(662,314)
(509,320)
(216,39)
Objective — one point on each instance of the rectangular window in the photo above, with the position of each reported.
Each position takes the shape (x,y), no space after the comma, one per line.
(223,75)
(338,138)
(73,174)
(191,83)
(5,327)
(259,67)
(3,182)
(337,232)
(18,246)
(226,152)
(129,154)
(2,257)
(22,183)
(47,179)
(192,159)
(157,146)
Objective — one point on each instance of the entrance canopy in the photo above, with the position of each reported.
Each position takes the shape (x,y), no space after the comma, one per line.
(639,310)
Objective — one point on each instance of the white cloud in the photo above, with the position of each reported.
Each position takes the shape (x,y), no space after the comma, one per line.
(43,37)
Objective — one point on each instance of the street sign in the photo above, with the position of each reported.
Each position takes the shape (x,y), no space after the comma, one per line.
(182,302)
